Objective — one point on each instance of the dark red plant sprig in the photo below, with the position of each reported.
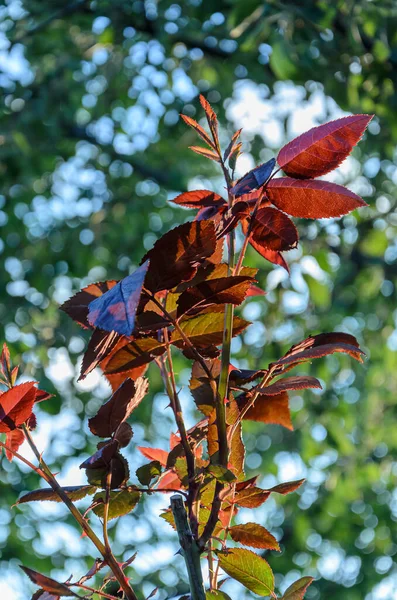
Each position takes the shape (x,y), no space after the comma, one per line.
(176,300)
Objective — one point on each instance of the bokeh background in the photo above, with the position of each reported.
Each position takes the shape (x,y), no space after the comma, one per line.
(91,151)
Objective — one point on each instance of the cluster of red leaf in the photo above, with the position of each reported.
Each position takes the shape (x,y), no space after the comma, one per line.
(310,155)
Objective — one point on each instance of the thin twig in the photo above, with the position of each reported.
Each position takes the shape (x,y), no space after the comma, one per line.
(108,556)
(106,509)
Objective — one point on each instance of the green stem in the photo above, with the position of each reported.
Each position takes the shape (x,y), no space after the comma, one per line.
(108,556)
(189,547)
(225,362)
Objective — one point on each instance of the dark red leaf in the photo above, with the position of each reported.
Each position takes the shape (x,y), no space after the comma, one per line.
(312,199)
(100,346)
(102,457)
(199,199)
(287,487)
(136,353)
(232,145)
(16,405)
(176,256)
(226,290)
(320,345)
(291,383)
(77,306)
(48,584)
(118,408)
(273,230)
(323,148)
(272,256)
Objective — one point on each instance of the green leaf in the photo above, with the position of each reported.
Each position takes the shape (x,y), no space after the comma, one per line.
(249,569)
(221,473)
(120,503)
(207,329)
(216,595)
(148,472)
(297,590)
(74,492)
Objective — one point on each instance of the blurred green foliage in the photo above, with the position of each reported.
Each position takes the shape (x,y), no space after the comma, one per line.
(91,149)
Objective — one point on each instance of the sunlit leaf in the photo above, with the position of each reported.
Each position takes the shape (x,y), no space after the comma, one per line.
(204,330)
(16,405)
(249,569)
(323,148)
(177,254)
(297,590)
(74,492)
(268,409)
(273,230)
(199,199)
(120,503)
(254,535)
(312,199)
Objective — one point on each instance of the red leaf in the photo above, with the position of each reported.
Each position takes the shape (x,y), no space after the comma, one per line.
(100,346)
(255,536)
(272,256)
(48,584)
(77,306)
(206,153)
(176,256)
(254,290)
(5,362)
(251,497)
(320,345)
(312,199)
(199,199)
(273,230)
(287,487)
(323,148)
(118,408)
(198,129)
(291,383)
(211,118)
(42,395)
(225,290)
(268,409)
(14,439)
(16,406)
(154,454)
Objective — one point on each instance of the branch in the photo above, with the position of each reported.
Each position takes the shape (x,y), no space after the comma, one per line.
(190,550)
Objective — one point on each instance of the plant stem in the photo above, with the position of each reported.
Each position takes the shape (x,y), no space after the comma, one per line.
(94,591)
(106,509)
(190,550)
(108,556)
(170,385)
